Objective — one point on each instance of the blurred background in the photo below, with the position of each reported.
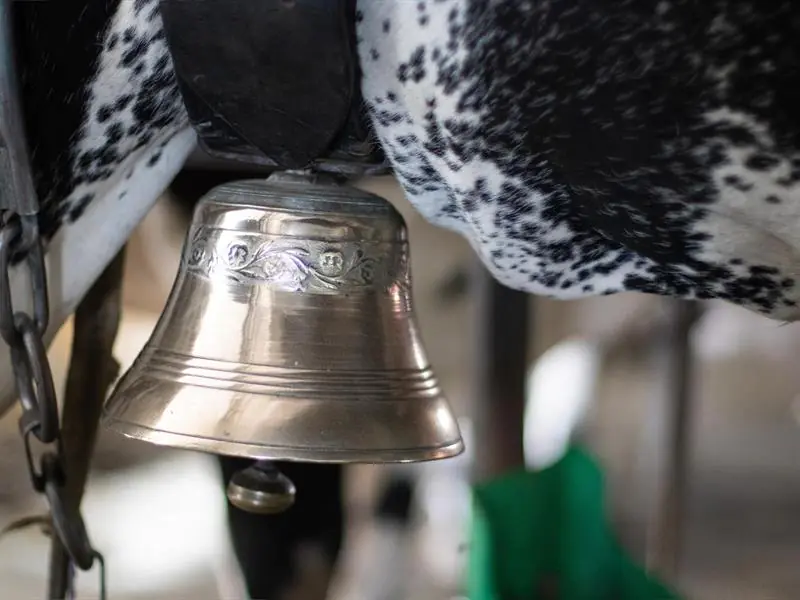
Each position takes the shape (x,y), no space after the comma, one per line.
(159,515)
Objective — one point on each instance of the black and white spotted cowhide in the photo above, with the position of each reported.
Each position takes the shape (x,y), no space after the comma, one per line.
(591,147)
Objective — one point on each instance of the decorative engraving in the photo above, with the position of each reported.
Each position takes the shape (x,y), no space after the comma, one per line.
(197,252)
(237,255)
(331,263)
(294,265)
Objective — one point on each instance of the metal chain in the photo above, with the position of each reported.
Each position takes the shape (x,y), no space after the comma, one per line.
(24,333)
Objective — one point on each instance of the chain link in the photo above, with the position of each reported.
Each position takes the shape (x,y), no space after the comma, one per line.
(24,333)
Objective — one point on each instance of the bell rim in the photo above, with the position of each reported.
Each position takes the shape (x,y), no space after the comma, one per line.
(254,451)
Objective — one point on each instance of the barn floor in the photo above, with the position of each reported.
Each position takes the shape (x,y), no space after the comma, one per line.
(158,515)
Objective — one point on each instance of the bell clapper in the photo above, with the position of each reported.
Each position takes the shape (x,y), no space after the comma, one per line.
(261,489)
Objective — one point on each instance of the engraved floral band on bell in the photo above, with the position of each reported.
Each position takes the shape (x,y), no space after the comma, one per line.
(289,334)
(289,264)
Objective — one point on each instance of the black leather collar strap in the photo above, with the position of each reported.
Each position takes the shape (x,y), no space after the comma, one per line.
(270,82)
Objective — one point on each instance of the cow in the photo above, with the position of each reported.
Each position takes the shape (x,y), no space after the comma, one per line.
(597,147)
(582,147)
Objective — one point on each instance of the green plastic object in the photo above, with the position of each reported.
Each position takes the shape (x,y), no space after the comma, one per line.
(544,536)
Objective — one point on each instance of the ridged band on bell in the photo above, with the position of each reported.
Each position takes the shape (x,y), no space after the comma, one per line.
(289,335)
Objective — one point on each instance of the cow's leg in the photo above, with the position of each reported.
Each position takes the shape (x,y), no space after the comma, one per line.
(291,555)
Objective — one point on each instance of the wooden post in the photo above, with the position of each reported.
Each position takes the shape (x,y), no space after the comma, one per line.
(500,372)
(675,361)
(92,371)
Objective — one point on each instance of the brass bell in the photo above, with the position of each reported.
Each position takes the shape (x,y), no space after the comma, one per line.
(289,335)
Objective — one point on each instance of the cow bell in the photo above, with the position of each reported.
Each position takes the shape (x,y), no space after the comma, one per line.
(289,334)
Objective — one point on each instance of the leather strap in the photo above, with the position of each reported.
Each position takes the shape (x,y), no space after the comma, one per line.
(269,81)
